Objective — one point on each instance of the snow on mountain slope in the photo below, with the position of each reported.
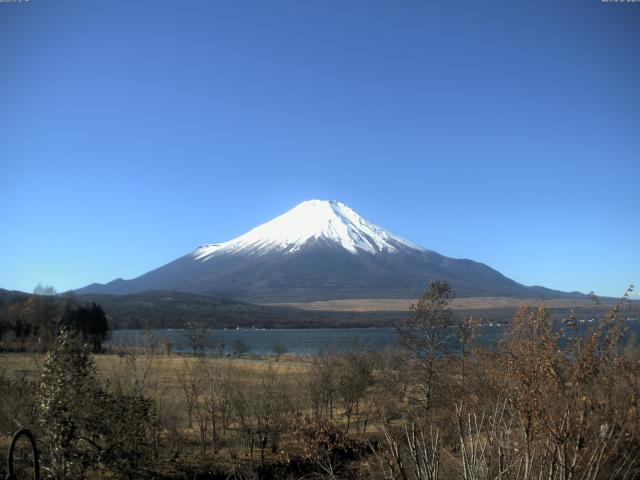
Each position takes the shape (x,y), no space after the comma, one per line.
(307,222)
(319,250)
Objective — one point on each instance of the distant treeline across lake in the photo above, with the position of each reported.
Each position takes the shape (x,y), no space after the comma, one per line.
(299,341)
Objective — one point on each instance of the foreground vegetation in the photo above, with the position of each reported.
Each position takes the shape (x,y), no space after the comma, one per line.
(527,409)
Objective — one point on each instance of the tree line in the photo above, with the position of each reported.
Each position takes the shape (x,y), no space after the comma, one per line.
(31,322)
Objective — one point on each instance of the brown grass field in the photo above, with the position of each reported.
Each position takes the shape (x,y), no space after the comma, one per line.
(160,378)
(162,371)
(403,304)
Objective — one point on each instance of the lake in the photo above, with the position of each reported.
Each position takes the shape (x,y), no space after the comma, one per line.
(299,341)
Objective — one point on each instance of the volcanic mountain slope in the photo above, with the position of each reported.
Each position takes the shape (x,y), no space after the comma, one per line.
(319,250)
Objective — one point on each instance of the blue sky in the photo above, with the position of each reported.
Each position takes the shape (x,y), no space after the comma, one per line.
(507,132)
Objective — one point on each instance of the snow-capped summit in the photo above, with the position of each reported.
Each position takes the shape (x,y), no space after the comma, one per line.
(309,222)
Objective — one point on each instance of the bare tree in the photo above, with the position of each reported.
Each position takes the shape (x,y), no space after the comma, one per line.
(387,396)
(410,454)
(466,332)
(424,334)
(279,350)
(321,386)
(240,347)
(190,389)
(196,338)
(270,407)
(244,412)
(355,375)
(167,345)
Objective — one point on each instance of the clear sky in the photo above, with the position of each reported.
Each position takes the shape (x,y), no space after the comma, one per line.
(507,132)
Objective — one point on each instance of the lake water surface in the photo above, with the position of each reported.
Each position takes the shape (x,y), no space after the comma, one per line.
(299,341)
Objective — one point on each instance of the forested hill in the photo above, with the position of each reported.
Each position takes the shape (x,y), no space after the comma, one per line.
(179,310)
(161,309)
(158,309)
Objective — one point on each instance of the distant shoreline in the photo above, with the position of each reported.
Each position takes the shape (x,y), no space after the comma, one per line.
(462,303)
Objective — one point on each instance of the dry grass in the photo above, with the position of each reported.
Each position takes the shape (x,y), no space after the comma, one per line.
(403,304)
(165,370)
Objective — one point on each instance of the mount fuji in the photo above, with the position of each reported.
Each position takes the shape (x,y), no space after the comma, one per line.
(319,250)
